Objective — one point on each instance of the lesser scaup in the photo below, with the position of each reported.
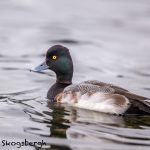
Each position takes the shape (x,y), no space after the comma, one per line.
(92,94)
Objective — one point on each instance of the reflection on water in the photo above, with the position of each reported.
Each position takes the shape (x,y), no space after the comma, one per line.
(109,41)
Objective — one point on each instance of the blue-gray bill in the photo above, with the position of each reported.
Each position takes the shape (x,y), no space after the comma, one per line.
(40,67)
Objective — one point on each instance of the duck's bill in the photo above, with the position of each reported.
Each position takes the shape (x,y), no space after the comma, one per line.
(41,67)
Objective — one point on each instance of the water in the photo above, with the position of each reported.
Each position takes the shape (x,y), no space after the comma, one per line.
(108,40)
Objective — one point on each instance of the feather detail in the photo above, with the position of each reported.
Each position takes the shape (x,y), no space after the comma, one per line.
(89,88)
(98,83)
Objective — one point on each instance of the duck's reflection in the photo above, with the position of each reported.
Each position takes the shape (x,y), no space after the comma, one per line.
(86,116)
(81,126)
(59,125)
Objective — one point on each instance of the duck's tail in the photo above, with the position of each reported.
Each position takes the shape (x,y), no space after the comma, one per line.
(139,104)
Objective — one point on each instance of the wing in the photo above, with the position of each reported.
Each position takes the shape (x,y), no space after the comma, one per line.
(98,83)
(89,88)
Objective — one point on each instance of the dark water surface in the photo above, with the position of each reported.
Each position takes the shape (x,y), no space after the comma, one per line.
(109,41)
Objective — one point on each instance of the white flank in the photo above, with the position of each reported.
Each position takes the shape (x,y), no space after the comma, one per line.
(98,102)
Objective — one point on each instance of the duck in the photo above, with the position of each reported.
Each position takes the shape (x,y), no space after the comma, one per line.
(91,94)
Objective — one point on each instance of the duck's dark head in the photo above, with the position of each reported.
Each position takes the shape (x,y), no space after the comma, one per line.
(58,59)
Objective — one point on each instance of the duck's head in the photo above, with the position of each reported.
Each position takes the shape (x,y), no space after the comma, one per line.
(58,59)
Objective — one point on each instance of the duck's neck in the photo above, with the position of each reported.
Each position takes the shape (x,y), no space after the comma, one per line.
(64,78)
(56,89)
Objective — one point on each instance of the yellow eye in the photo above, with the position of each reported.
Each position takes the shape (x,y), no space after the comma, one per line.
(54,57)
